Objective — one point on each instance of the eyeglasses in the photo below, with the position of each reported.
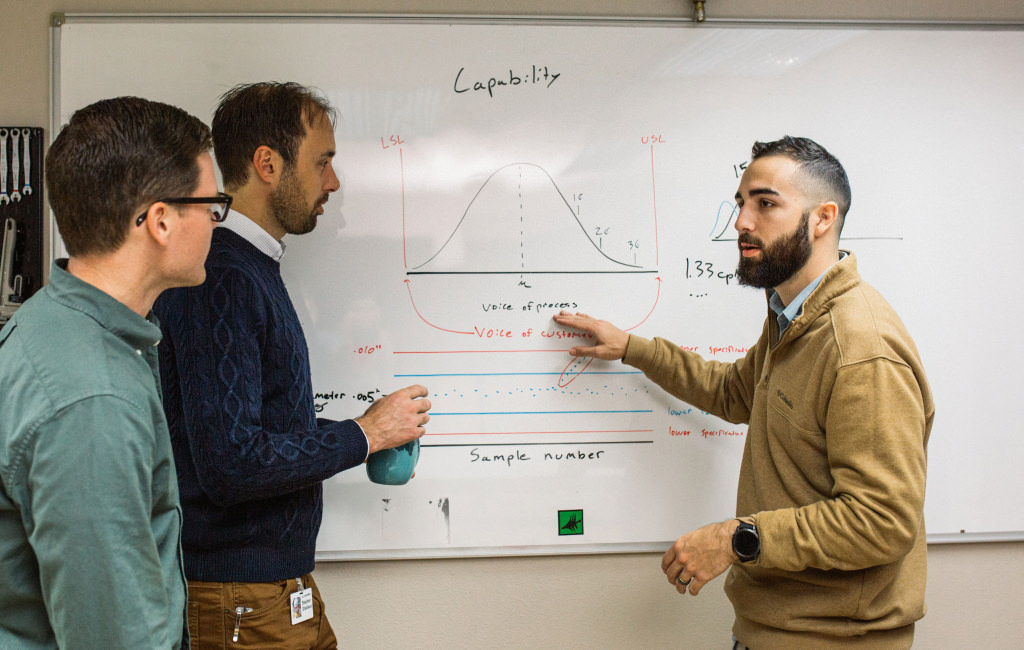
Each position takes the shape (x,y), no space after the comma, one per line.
(219,205)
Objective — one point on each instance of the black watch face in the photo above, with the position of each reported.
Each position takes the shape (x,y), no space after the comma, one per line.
(746,543)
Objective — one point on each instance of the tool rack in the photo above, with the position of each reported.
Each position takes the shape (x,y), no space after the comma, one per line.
(21,216)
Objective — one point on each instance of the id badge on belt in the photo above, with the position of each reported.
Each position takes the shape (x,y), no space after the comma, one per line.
(301,603)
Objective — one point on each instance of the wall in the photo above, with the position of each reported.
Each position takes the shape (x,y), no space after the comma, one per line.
(613,601)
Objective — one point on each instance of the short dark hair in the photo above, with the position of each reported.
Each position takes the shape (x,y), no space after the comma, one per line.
(821,168)
(111,158)
(271,113)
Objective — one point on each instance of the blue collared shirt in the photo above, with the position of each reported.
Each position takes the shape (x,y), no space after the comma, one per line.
(786,314)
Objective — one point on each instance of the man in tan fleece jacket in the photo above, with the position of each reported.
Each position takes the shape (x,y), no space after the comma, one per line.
(828,545)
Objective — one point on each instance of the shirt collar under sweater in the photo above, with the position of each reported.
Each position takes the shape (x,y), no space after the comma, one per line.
(253,233)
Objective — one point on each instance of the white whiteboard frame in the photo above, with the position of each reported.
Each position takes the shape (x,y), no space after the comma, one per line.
(55,247)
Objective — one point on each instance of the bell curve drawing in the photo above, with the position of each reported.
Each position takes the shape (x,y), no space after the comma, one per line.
(520,231)
(519,207)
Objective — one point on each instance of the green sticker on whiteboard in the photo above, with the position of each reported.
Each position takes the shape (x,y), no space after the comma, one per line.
(570,522)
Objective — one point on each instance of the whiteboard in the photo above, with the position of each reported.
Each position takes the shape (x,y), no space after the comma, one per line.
(495,172)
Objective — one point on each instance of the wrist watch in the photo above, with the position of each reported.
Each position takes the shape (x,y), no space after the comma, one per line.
(745,542)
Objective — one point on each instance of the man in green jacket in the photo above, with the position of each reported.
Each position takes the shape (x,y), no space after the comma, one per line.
(90,521)
(828,545)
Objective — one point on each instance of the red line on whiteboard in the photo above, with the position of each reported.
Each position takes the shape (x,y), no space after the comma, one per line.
(409,287)
(652,308)
(654,197)
(519,433)
(469,351)
(401,164)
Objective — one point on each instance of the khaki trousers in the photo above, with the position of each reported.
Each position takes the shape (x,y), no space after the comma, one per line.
(261,613)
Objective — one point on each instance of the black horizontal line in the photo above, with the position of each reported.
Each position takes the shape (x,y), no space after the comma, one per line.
(519,272)
(840,239)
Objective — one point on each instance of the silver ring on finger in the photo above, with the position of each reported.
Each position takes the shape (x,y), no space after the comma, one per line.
(685,584)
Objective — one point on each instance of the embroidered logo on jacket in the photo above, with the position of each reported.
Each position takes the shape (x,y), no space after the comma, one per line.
(785,399)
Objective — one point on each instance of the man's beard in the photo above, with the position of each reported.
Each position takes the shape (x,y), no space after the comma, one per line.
(287,205)
(778,261)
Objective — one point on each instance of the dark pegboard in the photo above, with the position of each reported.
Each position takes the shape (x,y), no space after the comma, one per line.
(25,208)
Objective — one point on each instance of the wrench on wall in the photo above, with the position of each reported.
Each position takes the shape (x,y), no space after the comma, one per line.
(26,189)
(4,199)
(15,164)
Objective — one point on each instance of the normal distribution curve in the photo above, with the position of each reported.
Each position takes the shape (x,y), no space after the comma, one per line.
(564,201)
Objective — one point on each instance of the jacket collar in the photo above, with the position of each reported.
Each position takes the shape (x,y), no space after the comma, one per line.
(839,279)
(110,313)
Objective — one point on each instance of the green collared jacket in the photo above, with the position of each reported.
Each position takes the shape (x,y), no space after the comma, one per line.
(90,521)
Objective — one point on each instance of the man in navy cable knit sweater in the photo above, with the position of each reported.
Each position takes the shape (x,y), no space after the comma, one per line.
(250,453)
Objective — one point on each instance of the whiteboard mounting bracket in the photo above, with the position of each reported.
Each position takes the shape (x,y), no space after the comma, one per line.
(698,11)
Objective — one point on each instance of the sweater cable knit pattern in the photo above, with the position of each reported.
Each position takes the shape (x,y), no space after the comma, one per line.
(250,452)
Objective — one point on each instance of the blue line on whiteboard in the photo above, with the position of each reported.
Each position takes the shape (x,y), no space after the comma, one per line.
(540,412)
(718,218)
(514,374)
